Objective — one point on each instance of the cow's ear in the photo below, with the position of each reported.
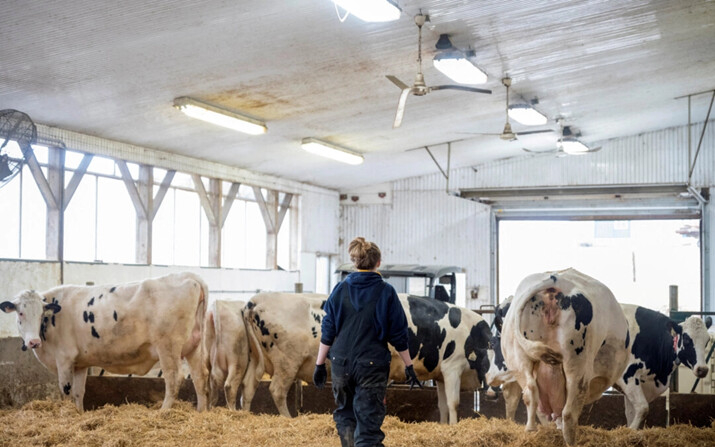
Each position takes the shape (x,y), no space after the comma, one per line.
(675,327)
(7,307)
(708,322)
(54,307)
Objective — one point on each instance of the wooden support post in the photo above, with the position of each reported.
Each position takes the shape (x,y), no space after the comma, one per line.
(55,180)
(273,218)
(145,189)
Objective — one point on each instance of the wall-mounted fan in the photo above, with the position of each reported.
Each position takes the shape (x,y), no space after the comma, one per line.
(508,134)
(419,88)
(14,126)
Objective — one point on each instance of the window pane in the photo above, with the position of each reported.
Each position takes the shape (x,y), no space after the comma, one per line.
(72,161)
(10,206)
(255,238)
(116,222)
(204,223)
(34,218)
(41,153)
(187,231)
(232,236)
(284,243)
(163,230)
(101,165)
(80,230)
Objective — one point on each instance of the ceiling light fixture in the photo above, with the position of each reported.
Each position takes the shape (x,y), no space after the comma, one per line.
(219,116)
(572,145)
(329,150)
(527,115)
(455,65)
(371,10)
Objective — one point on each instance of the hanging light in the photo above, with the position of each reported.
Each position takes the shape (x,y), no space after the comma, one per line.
(527,115)
(218,115)
(455,65)
(332,151)
(371,10)
(572,145)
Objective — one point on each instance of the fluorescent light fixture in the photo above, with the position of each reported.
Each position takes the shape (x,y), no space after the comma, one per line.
(571,145)
(457,67)
(329,150)
(371,10)
(527,115)
(219,116)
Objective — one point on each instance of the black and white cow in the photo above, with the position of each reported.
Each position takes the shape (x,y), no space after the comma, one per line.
(123,328)
(659,345)
(565,340)
(448,344)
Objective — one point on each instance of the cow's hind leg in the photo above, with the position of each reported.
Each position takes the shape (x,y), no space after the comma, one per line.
(442,403)
(451,390)
(576,390)
(512,393)
(170,362)
(531,397)
(231,385)
(79,379)
(280,384)
(199,376)
(250,383)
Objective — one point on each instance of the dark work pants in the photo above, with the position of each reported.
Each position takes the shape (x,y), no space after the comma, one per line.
(360,399)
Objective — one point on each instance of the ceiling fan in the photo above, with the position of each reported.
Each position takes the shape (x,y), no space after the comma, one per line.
(419,88)
(508,134)
(568,143)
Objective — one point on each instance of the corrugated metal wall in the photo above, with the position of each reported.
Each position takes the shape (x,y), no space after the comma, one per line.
(425,225)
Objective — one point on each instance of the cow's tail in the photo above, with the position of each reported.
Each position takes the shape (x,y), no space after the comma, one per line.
(210,334)
(254,347)
(535,350)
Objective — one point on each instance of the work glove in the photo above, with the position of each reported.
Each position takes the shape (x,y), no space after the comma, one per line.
(412,377)
(320,375)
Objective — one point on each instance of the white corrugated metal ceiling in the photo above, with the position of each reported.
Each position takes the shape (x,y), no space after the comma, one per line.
(112,69)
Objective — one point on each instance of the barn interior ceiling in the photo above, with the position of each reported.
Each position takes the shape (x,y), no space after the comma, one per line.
(113,69)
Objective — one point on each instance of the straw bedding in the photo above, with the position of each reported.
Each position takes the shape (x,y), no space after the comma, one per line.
(51,423)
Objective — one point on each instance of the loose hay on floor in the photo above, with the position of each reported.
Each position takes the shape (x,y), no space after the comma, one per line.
(46,423)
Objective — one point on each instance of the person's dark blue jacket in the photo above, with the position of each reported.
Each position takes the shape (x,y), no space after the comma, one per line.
(390,321)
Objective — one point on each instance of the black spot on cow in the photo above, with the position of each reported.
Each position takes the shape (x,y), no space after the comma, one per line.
(249,305)
(533,298)
(687,354)
(91,317)
(271,344)
(112,289)
(66,388)
(455,316)
(115,315)
(275,335)
(604,342)
(100,296)
(316,317)
(637,382)
(85,316)
(53,320)
(553,278)
(261,325)
(653,345)
(631,371)
(43,331)
(628,338)
(90,302)
(94,332)
(581,306)
(475,348)
(449,350)
(579,350)
(264,344)
(525,335)
(315,333)
(46,320)
(427,342)
(571,341)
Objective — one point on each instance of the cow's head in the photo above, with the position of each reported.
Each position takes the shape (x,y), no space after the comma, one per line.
(691,345)
(501,311)
(498,373)
(30,310)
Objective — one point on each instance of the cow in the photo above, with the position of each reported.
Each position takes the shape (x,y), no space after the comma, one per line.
(124,328)
(225,349)
(447,344)
(284,334)
(566,341)
(499,375)
(659,344)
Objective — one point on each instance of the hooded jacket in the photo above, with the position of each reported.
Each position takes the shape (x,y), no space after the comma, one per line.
(390,321)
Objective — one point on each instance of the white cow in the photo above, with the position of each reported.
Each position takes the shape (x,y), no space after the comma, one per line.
(225,349)
(284,335)
(124,328)
(658,346)
(564,339)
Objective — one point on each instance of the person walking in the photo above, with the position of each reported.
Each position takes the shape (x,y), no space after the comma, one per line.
(362,315)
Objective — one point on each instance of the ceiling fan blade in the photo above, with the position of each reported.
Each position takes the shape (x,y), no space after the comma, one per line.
(401,106)
(397,82)
(539,152)
(462,88)
(532,132)
(595,149)
(480,133)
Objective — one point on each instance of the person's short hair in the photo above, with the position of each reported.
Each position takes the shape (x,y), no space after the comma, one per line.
(365,255)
